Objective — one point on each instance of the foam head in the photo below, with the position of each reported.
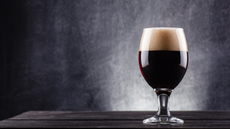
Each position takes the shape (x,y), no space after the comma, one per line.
(170,39)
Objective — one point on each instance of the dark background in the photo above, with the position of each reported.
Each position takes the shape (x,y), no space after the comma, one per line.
(83,54)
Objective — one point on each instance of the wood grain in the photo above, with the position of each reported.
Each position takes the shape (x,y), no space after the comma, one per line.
(113,119)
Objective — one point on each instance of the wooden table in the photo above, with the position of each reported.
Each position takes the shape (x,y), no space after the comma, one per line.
(113,119)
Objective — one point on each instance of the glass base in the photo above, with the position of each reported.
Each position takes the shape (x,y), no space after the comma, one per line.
(157,120)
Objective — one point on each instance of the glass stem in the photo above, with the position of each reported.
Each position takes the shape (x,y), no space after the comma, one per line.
(163,106)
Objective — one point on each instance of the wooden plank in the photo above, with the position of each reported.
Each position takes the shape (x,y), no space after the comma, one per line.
(108,124)
(113,119)
(122,115)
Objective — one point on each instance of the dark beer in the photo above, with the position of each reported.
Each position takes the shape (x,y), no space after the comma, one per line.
(163,68)
(163,61)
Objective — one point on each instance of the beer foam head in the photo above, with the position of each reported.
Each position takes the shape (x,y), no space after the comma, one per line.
(163,38)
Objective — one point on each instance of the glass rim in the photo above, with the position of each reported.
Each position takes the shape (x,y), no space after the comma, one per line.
(152,28)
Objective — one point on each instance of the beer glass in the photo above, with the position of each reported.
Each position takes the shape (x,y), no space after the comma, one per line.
(163,61)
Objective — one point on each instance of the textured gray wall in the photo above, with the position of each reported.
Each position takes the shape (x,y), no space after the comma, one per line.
(83,54)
